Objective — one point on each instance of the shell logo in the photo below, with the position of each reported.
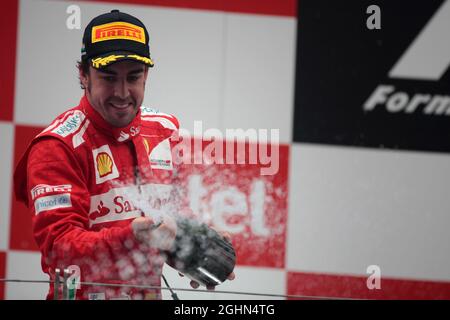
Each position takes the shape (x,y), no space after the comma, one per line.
(104,164)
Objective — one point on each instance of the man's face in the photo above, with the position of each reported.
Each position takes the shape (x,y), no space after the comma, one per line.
(116,91)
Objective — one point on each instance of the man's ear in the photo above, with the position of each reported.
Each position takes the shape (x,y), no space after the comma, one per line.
(84,77)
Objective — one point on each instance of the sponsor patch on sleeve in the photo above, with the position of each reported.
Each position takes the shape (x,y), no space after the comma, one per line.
(52,202)
(42,189)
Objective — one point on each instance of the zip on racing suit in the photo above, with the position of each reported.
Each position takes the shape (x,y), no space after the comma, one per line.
(84,181)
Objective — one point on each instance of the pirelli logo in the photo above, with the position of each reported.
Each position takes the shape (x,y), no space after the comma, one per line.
(118,30)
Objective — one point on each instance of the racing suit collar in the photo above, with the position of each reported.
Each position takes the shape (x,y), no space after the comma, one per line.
(119,134)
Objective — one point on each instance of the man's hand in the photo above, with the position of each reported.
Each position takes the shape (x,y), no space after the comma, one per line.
(161,235)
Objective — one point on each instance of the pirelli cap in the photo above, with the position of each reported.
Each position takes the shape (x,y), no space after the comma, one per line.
(115,36)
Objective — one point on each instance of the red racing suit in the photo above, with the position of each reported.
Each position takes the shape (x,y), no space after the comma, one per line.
(84,182)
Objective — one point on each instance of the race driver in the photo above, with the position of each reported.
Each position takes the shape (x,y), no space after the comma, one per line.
(99,180)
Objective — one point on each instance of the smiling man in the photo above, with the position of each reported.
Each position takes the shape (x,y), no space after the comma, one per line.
(117,91)
(91,178)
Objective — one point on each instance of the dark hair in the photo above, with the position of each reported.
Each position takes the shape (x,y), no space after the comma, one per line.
(83,66)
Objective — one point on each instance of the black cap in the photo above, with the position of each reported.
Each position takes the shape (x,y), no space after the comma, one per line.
(115,36)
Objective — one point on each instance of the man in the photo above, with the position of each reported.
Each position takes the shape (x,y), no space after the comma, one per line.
(99,180)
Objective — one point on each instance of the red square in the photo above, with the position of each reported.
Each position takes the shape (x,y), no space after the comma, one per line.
(8,34)
(236,198)
(347,286)
(328,286)
(21,237)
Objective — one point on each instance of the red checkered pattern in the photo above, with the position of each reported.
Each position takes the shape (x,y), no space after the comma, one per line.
(311,229)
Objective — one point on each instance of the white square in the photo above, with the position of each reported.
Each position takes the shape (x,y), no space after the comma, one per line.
(6,169)
(46,75)
(25,266)
(259,73)
(188,49)
(351,208)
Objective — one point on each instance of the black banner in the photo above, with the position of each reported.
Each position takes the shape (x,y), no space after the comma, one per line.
(373,74)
